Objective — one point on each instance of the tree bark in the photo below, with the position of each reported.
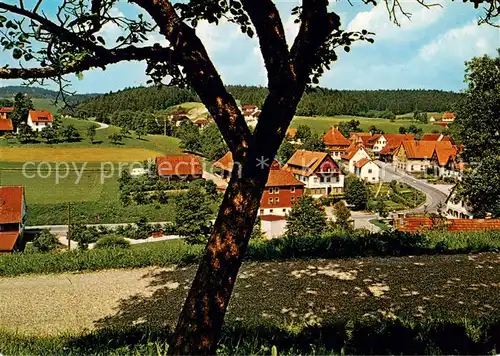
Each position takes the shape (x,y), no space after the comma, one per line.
(200,322)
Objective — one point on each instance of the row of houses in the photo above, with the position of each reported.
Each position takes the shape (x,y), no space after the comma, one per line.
(37,120)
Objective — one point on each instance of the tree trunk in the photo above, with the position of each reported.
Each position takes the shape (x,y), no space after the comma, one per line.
(200,322)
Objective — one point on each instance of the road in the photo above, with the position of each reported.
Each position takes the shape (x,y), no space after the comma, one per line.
(434,195)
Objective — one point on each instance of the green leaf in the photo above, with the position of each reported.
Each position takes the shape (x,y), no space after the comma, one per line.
(17,53)
(250,32)
(79,75)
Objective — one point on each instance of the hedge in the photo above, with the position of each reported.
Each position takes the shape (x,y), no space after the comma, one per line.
(342,245)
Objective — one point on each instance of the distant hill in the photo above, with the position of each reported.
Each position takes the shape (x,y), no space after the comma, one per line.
(317,102)
(9,92)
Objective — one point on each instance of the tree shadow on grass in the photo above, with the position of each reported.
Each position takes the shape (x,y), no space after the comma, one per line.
(368,306)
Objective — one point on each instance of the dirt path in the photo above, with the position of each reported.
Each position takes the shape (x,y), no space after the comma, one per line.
(294,291)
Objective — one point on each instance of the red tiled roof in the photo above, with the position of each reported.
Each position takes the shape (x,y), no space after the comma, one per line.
(374,139)
(282,178)
(6,125)
(362,162)
(277,176)
(225,162)
(7,109)
(351,151)
(424,149)
(335,138)
(41,116)
(306,162)
(291,132)
(431,137)
(444,153)
(181,165)
(11,204)
(8,240)
(415,224)
(449,115)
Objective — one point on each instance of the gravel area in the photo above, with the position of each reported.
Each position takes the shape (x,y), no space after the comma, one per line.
(292,291)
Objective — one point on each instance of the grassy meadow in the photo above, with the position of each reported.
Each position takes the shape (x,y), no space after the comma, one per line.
(87,176)
(322,124)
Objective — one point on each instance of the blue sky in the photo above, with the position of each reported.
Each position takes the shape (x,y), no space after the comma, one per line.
(427,51)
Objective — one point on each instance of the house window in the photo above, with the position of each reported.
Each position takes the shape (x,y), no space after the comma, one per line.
(315,179)
(284,210)
(270,201)
(261,211)
(292,190)
(321,179)
(369,171)
(271,190)
(328,179)
(373,178)
(276,190)
(292,199)
(276,200)
(270,211)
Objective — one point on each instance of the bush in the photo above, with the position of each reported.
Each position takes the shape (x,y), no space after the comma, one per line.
(45,241)
(112,241)
(334,245)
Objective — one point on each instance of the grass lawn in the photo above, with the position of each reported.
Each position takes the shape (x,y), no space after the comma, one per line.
(406,197)
(157,144)
(323,123)
(291,293)
(379,223)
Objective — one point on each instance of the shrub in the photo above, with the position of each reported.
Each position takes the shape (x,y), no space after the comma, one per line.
(112,241)
(45,241)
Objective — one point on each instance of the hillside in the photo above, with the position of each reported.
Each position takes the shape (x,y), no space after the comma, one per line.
(38,93)
(319,102)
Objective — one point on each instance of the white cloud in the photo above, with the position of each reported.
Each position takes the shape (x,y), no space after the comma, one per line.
(462,43)
(377,20)
(218,38)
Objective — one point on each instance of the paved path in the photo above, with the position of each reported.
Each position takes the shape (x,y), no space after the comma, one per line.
(102,125)
(291,292)
(434,196)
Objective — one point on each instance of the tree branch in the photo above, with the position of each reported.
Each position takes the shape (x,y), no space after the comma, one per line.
(130,53)
(267,21)
(316,25)
(202,75)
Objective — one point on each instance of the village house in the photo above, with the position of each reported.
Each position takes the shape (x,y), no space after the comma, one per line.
(415,156)
(282,188)
(281,193)
(367,170)
(183,167)
(5,112)
(360,138)
(448,117)
(336,143)
(318,171)
(391,143)
(457,208)
(38,120)
(354,154)
(6,126)
(436,137)
(12,218)
(435,118)
(201,122)
(392,139)
(445,162)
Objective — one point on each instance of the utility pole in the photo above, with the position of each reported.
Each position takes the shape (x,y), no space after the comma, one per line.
(69,226)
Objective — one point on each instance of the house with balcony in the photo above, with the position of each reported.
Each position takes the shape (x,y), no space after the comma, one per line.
(335,143)
(318,171)
(12,218)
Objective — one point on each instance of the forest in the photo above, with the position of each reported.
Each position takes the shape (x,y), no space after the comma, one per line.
(316,102)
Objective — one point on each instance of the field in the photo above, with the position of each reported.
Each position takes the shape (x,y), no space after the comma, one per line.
(87,176)
(322,124)
(293,293)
